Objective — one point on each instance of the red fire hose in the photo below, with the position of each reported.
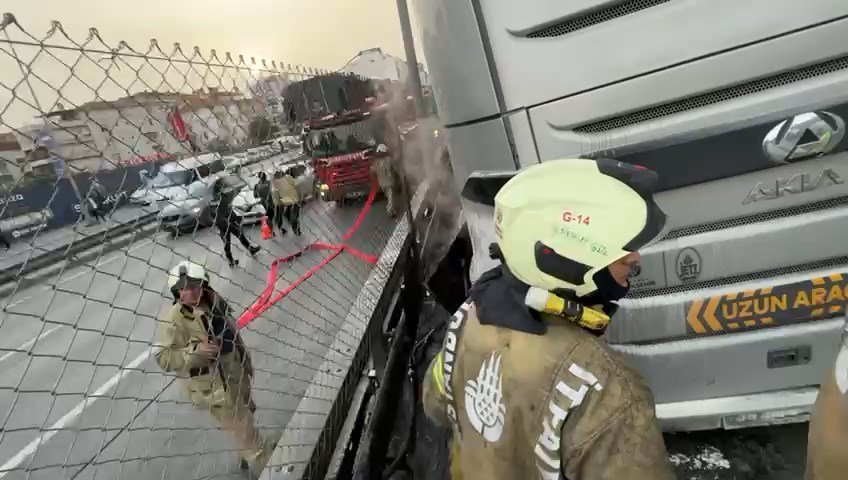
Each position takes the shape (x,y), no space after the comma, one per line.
(266,300)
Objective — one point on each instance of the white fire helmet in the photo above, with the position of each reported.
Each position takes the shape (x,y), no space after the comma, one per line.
(560,222)
(186,273)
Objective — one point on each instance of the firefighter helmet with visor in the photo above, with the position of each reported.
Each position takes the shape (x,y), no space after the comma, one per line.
(560,222)
(185,274)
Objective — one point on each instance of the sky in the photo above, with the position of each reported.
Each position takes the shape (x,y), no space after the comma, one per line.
(295,31)
(316,33)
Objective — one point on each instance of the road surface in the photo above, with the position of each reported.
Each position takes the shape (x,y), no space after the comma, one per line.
(80,395)
(33,246)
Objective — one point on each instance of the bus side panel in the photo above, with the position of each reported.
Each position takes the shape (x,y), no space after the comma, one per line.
(462,82)
(482,146)
(609,48)
(722,139)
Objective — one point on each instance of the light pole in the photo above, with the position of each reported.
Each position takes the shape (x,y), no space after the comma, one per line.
(411,57)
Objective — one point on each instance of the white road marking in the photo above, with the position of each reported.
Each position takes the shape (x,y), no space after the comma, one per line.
(71,416)
(83,272)
(143,243)
(29,344)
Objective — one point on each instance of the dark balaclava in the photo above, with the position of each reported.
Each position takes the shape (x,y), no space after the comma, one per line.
(609,291)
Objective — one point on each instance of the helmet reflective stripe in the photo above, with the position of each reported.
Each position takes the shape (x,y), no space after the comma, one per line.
(559,222)
(188,271)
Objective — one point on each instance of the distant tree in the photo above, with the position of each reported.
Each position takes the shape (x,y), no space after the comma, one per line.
(260,130)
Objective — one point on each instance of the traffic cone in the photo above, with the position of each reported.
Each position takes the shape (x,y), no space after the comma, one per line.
(266,229)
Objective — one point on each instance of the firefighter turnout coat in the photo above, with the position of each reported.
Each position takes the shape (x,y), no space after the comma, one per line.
(528,406)
(284,191)
(221,385)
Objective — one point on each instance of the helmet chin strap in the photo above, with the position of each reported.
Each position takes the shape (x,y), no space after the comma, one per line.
(592,312)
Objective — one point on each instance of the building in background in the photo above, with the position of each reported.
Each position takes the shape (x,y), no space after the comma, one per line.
(218,120)
(140,128)
(374,64)
(102,134)
(269,91)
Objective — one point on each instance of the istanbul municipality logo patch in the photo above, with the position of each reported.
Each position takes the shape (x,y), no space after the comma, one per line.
(484,400)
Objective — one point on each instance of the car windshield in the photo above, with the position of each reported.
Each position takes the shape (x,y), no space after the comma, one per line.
(343,139)
(171,178)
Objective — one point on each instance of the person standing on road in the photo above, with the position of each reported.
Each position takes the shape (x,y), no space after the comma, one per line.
(523,377)
(389,150)
(292,211)
(143,177)
(305,148)
(229,223)
(827,442)
(262,192)
(383,169)
(96,200)
(287,200)
(198,339)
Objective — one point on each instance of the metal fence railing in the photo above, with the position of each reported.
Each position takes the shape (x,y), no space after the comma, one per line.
(112,161)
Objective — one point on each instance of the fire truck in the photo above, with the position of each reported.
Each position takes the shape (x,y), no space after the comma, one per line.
(342,148)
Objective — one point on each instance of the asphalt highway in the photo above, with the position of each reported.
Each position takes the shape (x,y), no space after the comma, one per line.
(82,398)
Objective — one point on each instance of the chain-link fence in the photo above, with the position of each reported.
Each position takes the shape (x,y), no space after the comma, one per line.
(117,164)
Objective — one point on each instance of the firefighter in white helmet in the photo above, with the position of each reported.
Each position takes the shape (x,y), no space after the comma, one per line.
(198,339)
(523,378)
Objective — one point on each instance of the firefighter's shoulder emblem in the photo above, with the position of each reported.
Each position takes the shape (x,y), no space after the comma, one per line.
(484,400)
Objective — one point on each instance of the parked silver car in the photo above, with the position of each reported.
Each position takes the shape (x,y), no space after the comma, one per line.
(173,179)
(196,209)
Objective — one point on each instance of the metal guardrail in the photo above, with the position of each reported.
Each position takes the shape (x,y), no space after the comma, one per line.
(308,441)
(86,248)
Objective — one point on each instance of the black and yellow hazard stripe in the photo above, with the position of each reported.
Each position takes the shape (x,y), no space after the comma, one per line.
(706,316)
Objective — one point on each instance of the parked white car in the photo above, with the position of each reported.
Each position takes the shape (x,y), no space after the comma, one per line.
(248,207)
